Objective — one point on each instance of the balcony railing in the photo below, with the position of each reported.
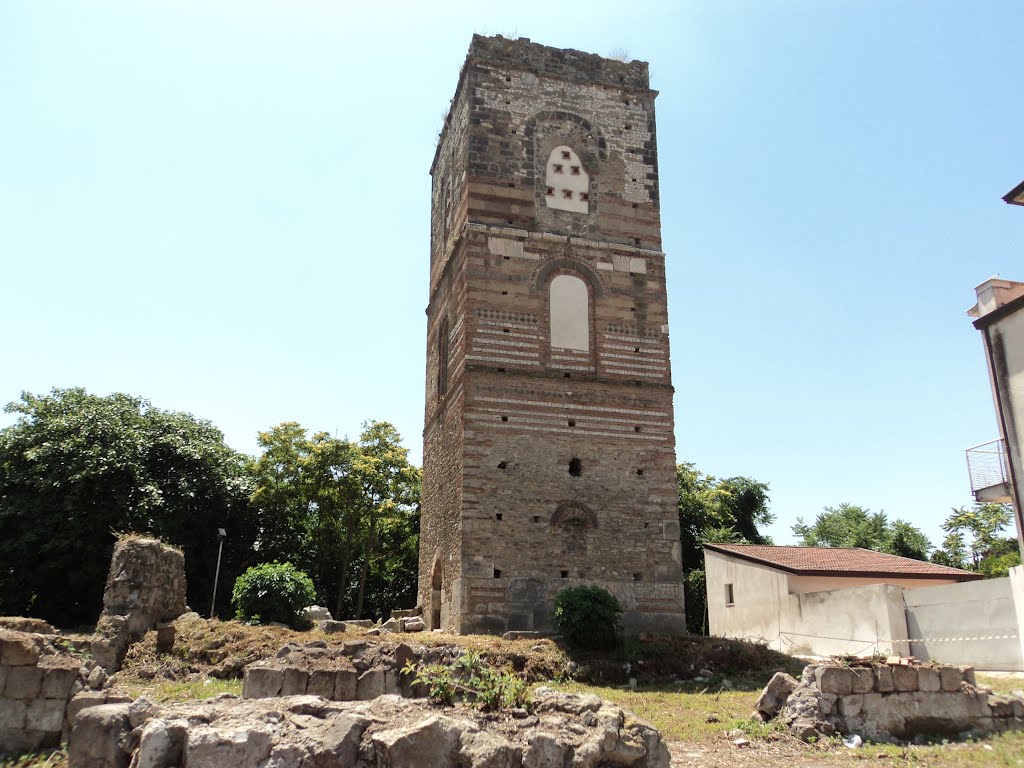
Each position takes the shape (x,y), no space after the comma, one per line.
(988,467)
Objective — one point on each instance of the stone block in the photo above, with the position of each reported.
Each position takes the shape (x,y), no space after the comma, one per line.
(262,682)
(84,701)
(18,649)
(775,694)
(836,680)
(331,627)
(904,678)
(46,715)
(950,678)
(217,748)
(1018,708)
(968,675)
(339,745)
(98,736)
(1001,705)
(165,634)
(321,683)
(20,741)
(929,679)
(851,706)
(57,682)
(353,647)
(827,703)
(393,682)
(346,683)
(370,684)
(161,744)
(883,678)
(12,714)
(863,680)
(23,682)
(293,683)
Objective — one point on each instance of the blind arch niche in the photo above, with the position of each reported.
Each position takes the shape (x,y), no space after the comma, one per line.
(569,306)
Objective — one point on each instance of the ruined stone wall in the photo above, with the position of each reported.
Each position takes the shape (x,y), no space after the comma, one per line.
(36,684)
(145,586)
(886,701)
(543,466)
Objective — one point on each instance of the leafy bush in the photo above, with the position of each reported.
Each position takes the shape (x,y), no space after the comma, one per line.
(273,592)
(588,617)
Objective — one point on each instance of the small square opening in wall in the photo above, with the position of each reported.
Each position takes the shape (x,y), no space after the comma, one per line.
(501,370)
(567,194)
(638,576)
(566,375)
(628,126)
(497,515)
(729,597)
(584,196)
(565,574)
(558,168)
(637,428)
(551,192)
(502,465)
(497,573)
(639,473)
(574,170)
(636,349)
(572,422)
(504,330)
(505,293)
(566,155)
(536,518)
(575,467)
(504,418)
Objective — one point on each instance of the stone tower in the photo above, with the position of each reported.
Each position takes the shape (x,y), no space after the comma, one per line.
(548,449)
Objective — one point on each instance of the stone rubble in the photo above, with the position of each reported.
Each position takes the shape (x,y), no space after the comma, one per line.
(387,732)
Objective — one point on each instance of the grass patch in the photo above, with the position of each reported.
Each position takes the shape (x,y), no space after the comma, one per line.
(167,691)
(57,758)
(681,712)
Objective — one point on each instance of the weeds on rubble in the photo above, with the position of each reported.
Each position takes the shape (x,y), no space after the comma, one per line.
(470,680)
(57,758)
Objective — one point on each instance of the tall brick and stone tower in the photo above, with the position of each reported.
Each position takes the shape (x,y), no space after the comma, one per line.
(548,449)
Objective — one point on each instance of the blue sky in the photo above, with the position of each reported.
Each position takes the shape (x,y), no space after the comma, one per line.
(222,205)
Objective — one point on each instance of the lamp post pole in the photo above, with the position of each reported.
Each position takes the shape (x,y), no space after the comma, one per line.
(221,535)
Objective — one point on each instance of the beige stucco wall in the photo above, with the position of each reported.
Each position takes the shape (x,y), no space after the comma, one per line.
(1006,337)
(798,584)
(843,616)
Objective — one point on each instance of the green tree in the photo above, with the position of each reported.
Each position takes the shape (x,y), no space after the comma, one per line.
(345,512)
(715,511)
(75,468)
(849,525)
(390,492)
(973,541)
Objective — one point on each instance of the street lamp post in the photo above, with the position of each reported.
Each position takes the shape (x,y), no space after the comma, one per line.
(221,535)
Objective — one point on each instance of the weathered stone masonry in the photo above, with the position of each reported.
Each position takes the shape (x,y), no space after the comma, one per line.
(544,465)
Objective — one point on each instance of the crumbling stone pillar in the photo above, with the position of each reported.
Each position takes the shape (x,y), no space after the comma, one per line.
(145,587)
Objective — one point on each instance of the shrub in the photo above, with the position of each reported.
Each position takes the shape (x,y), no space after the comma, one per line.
(588,617)
(273,592)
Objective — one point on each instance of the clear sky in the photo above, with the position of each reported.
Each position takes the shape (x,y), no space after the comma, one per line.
(222,206)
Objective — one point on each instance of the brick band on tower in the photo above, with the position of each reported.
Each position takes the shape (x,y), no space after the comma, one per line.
(548,448)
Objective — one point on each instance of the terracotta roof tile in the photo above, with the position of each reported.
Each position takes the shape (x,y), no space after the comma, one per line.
(841,561)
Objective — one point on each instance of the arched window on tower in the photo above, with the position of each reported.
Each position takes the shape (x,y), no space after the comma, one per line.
(569,302)
(442,359)
(567,184)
